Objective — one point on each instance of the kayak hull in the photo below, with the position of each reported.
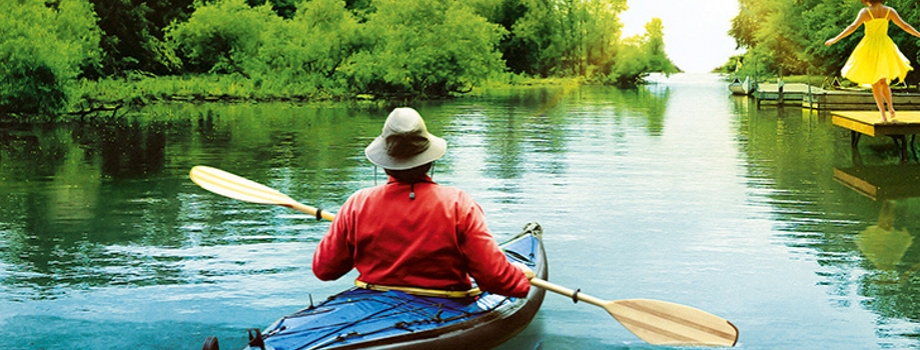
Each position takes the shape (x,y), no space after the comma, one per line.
(360,318)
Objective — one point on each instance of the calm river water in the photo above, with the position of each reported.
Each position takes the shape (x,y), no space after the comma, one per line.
(673,191)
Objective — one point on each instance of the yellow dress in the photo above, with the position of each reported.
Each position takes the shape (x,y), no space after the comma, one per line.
(876,56)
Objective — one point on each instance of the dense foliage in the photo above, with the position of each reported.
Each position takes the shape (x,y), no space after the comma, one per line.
(787,37)
(107,50)
(133,35)
(425,47)
(43,49)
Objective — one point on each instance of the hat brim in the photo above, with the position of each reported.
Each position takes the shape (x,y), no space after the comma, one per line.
(376,152)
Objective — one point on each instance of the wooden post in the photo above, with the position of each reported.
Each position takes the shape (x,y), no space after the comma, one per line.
(780,99)
(811,100)
(779,85)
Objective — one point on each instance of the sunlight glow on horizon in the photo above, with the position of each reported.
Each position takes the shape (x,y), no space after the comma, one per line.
(695,31)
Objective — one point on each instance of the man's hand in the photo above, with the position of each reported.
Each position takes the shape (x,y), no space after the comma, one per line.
(527,271)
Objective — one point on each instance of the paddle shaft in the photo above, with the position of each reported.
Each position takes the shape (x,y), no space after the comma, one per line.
(306,209)
(555,288)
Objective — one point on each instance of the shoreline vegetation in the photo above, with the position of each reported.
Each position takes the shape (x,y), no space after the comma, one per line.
(111,95)
(74,57)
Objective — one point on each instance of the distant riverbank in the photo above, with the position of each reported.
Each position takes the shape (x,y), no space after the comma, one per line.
(108,95)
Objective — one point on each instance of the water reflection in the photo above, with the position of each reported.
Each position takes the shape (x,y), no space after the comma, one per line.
(107,203)
(70,177)
(881,182)
(673,190)
(853,210)
(128,149)
(890,284)
(883,244)
(513,133)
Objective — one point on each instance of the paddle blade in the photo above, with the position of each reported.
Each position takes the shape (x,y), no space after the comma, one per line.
(236,187)
(664,323)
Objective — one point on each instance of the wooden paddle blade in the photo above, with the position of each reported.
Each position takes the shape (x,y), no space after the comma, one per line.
(664,323)
(659,322)
(236,187)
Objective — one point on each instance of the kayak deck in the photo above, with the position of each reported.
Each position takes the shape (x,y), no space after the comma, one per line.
(360,318)
(361,315)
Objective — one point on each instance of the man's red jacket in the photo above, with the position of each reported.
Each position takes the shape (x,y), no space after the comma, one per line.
(436,240)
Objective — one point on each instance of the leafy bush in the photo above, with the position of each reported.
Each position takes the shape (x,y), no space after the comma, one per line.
(634,58)
(425,48)
(43,50)
(304,52)
(310,48)
(223,37)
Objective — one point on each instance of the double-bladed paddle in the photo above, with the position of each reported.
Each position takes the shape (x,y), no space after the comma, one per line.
(654,321)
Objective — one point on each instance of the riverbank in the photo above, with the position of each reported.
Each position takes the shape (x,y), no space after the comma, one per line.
(138,90)
(111,95)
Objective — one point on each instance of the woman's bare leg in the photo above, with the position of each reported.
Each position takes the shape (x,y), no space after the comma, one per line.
(886,93)
(879,99)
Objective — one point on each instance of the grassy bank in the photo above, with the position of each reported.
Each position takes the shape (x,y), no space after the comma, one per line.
(139,90)
(142,89)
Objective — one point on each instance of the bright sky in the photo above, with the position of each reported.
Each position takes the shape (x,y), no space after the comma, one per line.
(695,31)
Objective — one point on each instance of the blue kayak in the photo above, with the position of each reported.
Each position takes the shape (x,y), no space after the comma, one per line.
(362,318)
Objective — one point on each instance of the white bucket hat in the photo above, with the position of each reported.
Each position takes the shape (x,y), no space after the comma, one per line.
(405,142)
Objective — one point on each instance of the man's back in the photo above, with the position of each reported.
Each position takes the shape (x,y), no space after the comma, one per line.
(432,241)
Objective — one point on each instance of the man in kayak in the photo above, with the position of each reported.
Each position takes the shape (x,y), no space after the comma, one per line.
(412,233)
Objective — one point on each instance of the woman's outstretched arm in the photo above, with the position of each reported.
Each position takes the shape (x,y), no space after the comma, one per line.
(903,25)
(860,18)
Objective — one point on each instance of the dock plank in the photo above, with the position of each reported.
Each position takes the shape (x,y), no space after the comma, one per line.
(793,93)
(867,122)
(856,99)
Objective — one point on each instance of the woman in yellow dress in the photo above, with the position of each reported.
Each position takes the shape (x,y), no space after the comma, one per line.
(876,60)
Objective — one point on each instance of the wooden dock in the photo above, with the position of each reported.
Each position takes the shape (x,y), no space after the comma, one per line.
(882,182)
(855,99)
(867,123)
(769,93)
(813,97)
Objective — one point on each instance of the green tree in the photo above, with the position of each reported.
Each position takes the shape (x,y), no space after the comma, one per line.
(224,37)
(133,34)
(309,49)
(425,48)
(637,56)
(284,8)
(908,44)
(519,57)
(44,48)
(536,44)
(653,48)
(594,33)
(560,37)
(771,31)
(303,53)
